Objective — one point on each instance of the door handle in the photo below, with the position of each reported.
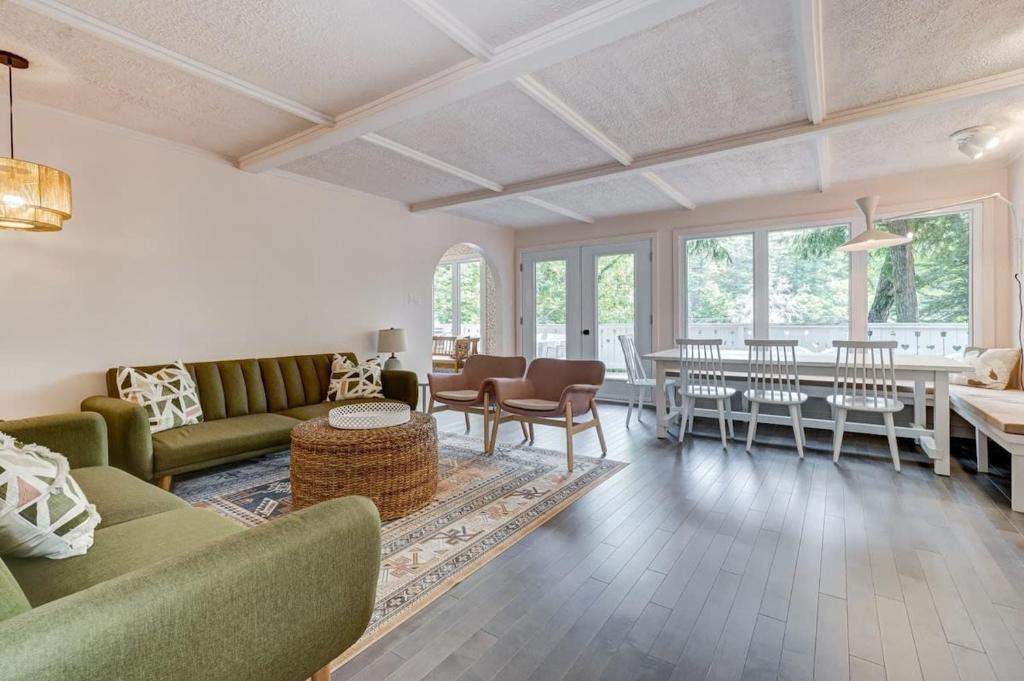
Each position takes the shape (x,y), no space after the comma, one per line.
(586,332)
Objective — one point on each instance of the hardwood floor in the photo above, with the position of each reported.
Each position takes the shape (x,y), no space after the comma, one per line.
(694,563)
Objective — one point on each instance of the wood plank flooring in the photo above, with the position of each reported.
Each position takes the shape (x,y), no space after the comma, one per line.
(695,563)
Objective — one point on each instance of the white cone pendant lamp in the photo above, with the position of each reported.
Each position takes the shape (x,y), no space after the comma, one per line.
(872,238)
(33,197)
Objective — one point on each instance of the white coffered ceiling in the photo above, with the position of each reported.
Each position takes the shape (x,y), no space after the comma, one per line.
(540,112)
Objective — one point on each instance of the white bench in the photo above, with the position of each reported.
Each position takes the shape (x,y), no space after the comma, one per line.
(996,415)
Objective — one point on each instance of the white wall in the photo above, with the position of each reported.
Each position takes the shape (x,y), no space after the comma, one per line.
(172,254)
(898,194)
(1016,188)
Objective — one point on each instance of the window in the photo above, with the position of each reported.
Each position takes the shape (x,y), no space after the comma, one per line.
(720,288)
(919,294)
(792,283)
(809,286)
(550,308)
(459,299)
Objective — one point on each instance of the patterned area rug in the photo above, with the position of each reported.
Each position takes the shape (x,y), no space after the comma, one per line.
(482,507)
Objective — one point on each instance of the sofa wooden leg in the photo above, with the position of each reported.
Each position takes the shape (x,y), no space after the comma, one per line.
(164,482)
(323,674)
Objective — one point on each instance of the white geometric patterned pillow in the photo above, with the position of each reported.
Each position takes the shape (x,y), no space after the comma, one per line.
(350,380)
(168,395)
(43,512)
(991,368)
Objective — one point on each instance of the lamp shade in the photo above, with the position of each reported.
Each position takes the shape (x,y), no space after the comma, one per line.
(872,238)
(391,340)
(33,197)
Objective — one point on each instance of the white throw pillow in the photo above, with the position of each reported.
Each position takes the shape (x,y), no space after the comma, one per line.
(350,380)
(991,368)
(43,512)
(168,395)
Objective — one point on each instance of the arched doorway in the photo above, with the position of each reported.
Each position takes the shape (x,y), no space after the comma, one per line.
(464,304)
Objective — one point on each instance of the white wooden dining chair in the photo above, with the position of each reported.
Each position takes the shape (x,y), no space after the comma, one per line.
(702,377)
(638,382)
(772,378)
(865,380)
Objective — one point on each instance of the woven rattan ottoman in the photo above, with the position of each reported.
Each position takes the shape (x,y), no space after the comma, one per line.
(396,466)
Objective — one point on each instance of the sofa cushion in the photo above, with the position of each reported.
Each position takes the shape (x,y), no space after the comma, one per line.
(173,449)
(315,411)
(168,395)
(120,496)
(12,598)
(120,549)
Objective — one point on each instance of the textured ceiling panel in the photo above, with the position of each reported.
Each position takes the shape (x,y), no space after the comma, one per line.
(74,71)
(879,49)
(919,142)
(498,21)
(327,54)
(500,134)
(618,196)
(364,166)
(510,213)
(728,68)
(760,172)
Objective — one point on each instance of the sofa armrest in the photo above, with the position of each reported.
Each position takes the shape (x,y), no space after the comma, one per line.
(401,385)
(130,442)
(82,438)
(275,603)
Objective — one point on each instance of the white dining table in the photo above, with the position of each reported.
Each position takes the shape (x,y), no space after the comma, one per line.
(922,370)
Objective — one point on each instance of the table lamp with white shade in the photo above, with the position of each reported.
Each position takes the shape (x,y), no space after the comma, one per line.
(391,340)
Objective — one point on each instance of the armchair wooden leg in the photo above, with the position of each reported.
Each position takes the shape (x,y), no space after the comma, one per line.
(322,674)
(466,414)
(526,431)
(597,424)
(568,435)
(530,428)
(494,429)
(164,482)
(487,425)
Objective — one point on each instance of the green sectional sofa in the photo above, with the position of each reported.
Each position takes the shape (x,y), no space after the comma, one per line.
(170,592)
(249,408)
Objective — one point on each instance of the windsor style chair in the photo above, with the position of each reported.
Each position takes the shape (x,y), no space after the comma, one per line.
(865,381)
(702,377)
(772,378)
(637,380)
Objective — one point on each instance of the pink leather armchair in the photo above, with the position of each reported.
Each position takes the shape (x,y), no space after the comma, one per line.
(471,390)
(554,392)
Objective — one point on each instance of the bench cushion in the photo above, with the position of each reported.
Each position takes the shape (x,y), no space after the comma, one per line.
(180,447)
(120,496)
(1001,409)
(118,550)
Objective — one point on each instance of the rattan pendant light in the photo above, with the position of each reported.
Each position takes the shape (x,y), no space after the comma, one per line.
(33,197)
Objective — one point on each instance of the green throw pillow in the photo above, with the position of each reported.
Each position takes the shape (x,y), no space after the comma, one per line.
(350,380)
(43,512)
(168,395)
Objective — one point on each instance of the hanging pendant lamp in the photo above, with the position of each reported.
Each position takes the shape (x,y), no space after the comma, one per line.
(33,197)
(872,238)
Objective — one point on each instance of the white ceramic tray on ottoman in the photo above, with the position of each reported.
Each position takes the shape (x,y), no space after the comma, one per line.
(368,415)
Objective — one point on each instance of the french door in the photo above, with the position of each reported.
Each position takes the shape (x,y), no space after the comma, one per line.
(577,301)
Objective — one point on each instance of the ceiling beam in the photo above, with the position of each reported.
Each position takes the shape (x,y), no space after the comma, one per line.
(426,160)
(783,134)
(668,190)
(90,24)
(599,24)
(556,105)
(452,26)
(541,203)
(812,53)
(823,153)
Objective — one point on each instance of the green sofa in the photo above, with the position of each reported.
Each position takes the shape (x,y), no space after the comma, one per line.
(249,408)
(170,592)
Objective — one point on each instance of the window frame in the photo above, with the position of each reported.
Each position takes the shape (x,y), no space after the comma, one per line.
(456,293)
(857,293)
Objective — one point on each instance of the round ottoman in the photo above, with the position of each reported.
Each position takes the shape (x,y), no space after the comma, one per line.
(395,466)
